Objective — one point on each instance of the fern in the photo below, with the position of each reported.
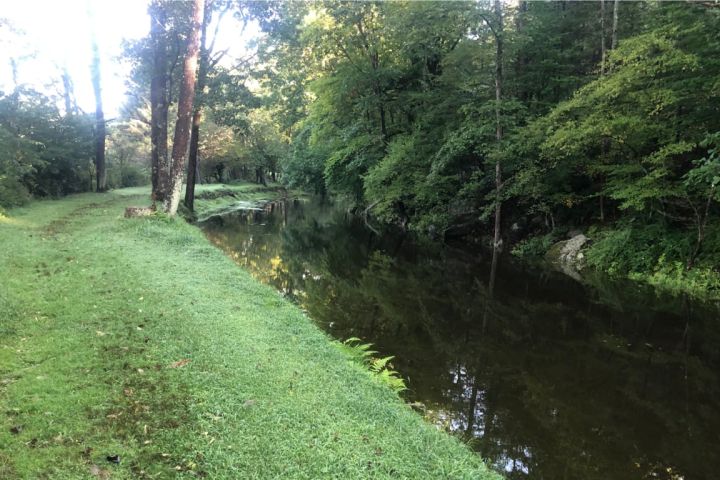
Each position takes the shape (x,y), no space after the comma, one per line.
(381,368)
(358,350)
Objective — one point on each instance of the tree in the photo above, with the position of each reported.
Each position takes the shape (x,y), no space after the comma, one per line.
(42,152)
(616,7)
(650,119)
(498,34)
(206,64)
(185,109)
(68,93)
(159,100)
(100,171)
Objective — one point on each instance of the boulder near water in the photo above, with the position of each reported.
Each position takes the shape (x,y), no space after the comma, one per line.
(568,254)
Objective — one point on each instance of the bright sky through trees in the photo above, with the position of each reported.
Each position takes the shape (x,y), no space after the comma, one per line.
(56,34)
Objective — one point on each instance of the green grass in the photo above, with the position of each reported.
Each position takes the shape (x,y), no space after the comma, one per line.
(96,311)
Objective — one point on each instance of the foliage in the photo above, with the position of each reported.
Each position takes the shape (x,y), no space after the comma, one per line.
(655,254)
(42,152)
(533,247)
(394,106)
(379,366)
(127,157)
(634,248)
(304,166)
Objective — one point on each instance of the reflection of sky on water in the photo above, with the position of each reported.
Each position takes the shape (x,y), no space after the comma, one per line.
(457,421)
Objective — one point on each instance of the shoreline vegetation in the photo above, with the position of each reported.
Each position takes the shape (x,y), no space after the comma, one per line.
(607,255)
(174,362)
(603,252)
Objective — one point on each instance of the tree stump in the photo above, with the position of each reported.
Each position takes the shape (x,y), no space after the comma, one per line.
(131,212)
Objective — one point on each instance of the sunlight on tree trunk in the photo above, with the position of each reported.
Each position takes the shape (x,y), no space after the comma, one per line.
(197,116)
(185,109)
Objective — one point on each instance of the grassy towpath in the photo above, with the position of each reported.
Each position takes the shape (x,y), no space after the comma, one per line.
(136,338)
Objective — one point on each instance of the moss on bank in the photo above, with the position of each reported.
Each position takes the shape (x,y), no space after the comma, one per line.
(137,338)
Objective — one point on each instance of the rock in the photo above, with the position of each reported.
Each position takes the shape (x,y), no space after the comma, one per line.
(568,255)
(570,252)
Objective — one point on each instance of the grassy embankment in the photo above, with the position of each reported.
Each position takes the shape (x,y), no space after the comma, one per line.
(137,338)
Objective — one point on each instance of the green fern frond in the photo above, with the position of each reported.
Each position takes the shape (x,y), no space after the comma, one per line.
(380,367)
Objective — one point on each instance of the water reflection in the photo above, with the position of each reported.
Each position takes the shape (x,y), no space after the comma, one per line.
(549,379)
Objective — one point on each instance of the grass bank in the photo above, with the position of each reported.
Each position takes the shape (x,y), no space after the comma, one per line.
(136,338)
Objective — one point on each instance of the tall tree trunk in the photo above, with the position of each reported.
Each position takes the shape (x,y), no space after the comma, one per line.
(497,241)
(602,37)
(193,165)
(616,7)
(701,224)
(159,101)
(100,174)
(603,54)
(185,110)
(68,93)
(521,60)
(378,92)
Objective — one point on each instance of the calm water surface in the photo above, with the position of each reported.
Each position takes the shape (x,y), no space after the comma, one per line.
(551,379)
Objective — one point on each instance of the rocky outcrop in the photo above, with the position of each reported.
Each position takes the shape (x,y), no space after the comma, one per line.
(568,255)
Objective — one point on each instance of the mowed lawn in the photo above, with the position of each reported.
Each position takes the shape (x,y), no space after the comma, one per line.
(136,341)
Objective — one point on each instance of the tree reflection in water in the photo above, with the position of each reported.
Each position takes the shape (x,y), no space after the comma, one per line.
(564,381)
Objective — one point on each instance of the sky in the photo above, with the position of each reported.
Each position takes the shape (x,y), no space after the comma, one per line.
(58,32)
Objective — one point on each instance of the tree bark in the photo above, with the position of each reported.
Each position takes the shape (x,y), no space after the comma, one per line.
(158,101)
(603,54)
(602,37)
(185,110)
(497,241)
(100,173)
(701,219)
(616,7)
(193,164)
(197,116)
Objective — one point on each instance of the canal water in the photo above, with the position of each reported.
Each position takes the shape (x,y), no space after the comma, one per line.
(550,379)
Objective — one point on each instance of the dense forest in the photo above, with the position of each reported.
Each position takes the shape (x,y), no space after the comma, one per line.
(511,123)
